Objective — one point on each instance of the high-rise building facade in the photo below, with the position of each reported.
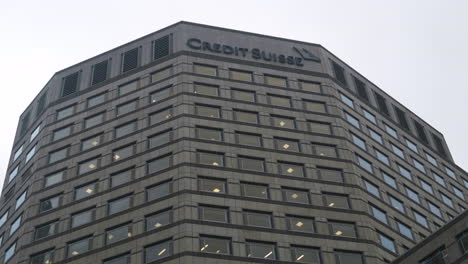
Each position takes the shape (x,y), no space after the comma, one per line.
(197,144)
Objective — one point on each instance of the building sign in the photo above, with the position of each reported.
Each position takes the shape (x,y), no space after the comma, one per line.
(256,53)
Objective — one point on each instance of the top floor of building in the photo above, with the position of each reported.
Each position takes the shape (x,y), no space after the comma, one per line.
(184,38)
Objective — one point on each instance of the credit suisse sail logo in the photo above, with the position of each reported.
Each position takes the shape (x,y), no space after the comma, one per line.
(297,59)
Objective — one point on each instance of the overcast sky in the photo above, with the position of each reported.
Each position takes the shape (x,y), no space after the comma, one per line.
(417,51)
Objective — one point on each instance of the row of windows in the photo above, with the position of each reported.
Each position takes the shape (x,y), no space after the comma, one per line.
(397,150)
(405,172)
(130,106)
(208,213)
(401,117)
(399,205)
(412,194)
(207,244)
(240,75)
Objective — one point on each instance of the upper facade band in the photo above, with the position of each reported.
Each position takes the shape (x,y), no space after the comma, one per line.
(237,46)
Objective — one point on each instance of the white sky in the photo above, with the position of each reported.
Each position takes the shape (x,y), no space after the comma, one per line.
(417,51)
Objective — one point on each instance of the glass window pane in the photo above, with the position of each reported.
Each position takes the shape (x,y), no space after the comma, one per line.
(158,191)
(427,187)
(215,245)
(21,199)
(345,99)
(216,214)
(82,218)
(30,154)
(284,122)
(421,219)
(118,234)
(157,220)
(387,242)
(397,204)
(58,155)
(87,166)
(404,172)
(358,141)
(121,177)
(97,100)
(205,69)
(10,252)
(277,100)
(247,163)
(306,255)
(159,164)
(398,151)
(158,251)
(343,229)
(301,224)
(257,219)
(372,188)
(212,185)
(439,179)
(255,190)
(310,86)
(434,209)
(411,145)
(241,75)
(412,195)
(249,117)
(287,144)
(330,174)
(243,95)
(90,142)
(389,180)
(419,166)
(160,116)
(66,112)
(249,139)
(125,129)
(209,133)
(392,132)
(205,89)
(18,153)
(261,250)
(78,247)
(94,120)
(129,87)
(46,230)
(85,190)
(161,74)
(35,133)
(291,169)
(160,139)
(369,116)
(376,136)
(352,120)
(382,157)
(53,178)
(41,258)
(61,133)
(50,203)
(119,205)
(315,106)
(16,224)
(321,128)
(208,111)
(161,94)
(325,150)
(379,214)
(365,164)
(276,81)
(296,196)
(336,201)
(209,158)
(127,107)
(450,172)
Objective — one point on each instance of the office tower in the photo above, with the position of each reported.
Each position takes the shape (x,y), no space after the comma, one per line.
(197,144)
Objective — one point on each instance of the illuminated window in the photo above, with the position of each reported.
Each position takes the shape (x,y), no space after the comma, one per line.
(88,166)
(161,94)
(336,200)
(43,257)
(158,251)
(261,250)
(305,255)
(123,153)
(291,169)
(241,75)
(158,219)
(78,247)
(295,196)
(287,144)
(209,133)
(283,122)
(211,158)
(342,229)
(91,142)
(212,185)
(119,233)
(301,224)
(208,111)
(215,245)
(276,81)
(85,190)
